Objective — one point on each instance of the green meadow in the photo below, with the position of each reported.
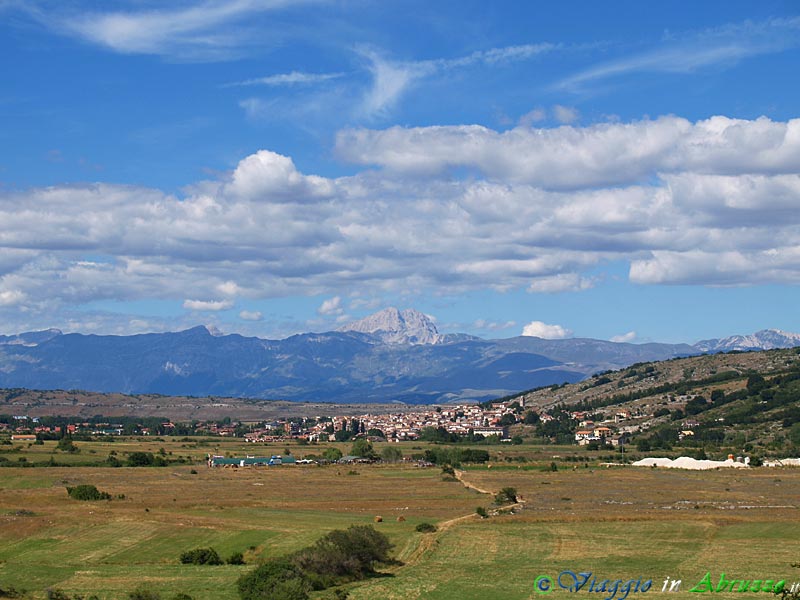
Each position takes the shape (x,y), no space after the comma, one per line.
(618,523)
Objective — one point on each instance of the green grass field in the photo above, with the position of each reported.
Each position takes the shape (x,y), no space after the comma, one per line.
(619,523)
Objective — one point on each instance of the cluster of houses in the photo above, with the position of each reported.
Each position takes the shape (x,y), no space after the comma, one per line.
(400,427)
(609,431)
(493,419)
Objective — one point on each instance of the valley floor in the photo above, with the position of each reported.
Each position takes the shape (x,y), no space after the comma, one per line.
(618,523)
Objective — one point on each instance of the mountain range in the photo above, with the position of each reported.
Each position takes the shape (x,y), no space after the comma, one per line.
(391,356)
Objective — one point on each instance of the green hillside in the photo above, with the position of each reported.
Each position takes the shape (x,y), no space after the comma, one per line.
(748,402)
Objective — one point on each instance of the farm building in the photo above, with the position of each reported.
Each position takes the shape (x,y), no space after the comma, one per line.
(251,461)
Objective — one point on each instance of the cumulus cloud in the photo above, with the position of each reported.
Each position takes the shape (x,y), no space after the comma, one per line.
(250,315)
(331,306)
(625,337)
(534,116)
(545,331)
(716,202)
(605,154)
(208,305)
(565,114)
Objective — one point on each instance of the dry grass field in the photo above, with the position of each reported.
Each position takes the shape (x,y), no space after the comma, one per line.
(617,522)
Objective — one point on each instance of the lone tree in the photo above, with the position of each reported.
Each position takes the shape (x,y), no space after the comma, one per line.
(362,447)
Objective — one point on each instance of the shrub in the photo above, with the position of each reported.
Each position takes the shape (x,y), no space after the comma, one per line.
(141,459)
(237,558)
(506,495)
(481,512)
(278,579)
(87,492)
(350,553)
(426,527)
(143,594)
(201,556)
(65,445)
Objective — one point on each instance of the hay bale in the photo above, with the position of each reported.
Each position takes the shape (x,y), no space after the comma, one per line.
(401,519)
(378,519)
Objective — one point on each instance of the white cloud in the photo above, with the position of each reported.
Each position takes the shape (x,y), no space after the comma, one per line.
(331,306)
(565,114)
(605,154)
(208,305)
(715,202)
(545,331)
(563,282)
(270,175)
(228,288)
(287,79)
(250,315)
(391,79)
(625,337)
(722,46)
(209,30)
(493,325)
(531,117)
(11,297)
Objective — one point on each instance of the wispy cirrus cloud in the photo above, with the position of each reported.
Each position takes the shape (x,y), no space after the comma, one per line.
(210,30)
(722,46)
(287,79)
(391,79)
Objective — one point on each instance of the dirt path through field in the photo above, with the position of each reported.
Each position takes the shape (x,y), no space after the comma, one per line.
(430,541)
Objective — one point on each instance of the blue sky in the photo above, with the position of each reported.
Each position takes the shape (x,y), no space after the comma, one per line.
(623,170)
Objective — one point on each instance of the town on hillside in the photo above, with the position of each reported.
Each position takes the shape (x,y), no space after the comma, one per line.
(501,421)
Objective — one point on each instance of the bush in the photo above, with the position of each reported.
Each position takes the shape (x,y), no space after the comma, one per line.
(278,579)
(87,492)
(237,558)
(201,556)
(338,557)
(481,512)
(143,594)
(65,445)
(426,527)
(506,495)
(141,459)
(349,553)
(56,594)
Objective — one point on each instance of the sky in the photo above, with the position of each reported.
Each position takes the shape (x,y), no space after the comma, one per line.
(625,170)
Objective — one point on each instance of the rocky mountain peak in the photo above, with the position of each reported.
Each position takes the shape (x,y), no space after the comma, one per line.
(766,339)
(394,326)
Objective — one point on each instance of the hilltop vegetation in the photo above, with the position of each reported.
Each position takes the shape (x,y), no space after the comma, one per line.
(750,401)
